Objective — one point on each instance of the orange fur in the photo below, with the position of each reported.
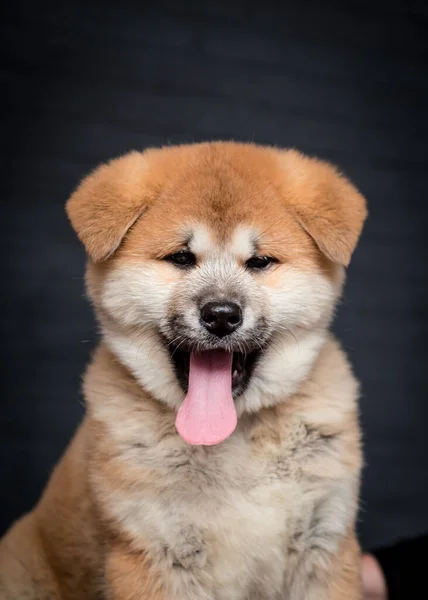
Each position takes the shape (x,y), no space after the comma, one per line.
(131,576)
(173,180)
(107,203)
(346,572)
(328,207)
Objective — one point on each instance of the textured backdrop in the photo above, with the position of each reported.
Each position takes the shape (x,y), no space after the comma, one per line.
(83,82)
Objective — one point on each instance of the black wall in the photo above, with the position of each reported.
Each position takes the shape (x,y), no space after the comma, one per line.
(83,82)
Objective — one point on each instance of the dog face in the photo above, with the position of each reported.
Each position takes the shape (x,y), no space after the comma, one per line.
(217,247)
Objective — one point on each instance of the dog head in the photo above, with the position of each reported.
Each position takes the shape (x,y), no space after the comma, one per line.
(234,252)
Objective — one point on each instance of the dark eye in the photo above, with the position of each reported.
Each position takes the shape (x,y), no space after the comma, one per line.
(258,263)
(182,259)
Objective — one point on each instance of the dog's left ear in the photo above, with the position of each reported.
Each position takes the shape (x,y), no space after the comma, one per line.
(325,203)
(108,202)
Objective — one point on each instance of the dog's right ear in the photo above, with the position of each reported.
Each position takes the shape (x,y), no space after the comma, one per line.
(108,202)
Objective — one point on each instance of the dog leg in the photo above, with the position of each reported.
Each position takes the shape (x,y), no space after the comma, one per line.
(325,577)
(24,568)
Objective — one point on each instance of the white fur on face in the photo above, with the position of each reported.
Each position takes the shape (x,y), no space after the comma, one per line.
(289,321)
(134,300)
(301,307)
(242,244)
(201,240)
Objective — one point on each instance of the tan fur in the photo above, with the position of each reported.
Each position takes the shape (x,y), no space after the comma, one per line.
(130,576)
(132,511)
(346,574)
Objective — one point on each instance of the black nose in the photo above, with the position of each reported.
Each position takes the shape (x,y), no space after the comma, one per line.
(221,318)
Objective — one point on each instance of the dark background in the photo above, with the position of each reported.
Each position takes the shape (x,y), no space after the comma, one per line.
(84,82)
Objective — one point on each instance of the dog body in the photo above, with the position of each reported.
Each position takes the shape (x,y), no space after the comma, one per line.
(213,266)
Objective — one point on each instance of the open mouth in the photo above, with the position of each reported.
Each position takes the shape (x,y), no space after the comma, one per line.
(242,368)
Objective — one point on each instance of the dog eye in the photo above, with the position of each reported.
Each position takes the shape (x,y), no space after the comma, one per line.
(182,259)
(258,263)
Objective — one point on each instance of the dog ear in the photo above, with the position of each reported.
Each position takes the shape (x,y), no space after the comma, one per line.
(108,202)
(325,203)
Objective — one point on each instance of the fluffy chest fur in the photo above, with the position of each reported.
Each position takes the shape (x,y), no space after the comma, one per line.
(230,521)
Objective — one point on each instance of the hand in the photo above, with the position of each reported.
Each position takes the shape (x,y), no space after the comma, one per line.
(374,584)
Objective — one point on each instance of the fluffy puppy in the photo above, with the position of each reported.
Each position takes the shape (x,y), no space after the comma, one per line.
(219,458)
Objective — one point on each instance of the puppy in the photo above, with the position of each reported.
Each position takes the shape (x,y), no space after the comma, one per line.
(219,458)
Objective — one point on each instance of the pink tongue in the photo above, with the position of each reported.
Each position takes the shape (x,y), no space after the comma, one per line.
(207,415)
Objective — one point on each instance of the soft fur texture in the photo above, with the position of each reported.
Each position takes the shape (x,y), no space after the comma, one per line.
(133,512)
